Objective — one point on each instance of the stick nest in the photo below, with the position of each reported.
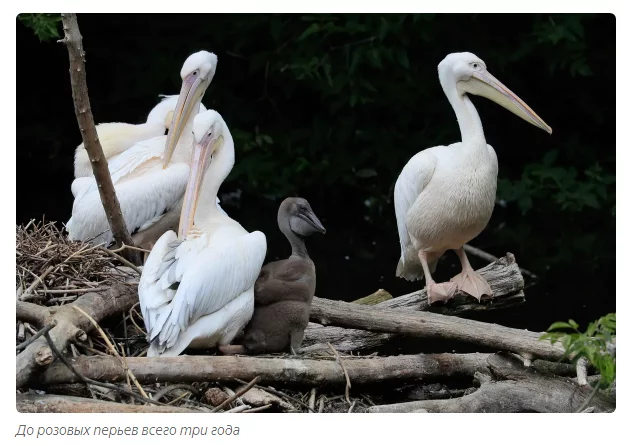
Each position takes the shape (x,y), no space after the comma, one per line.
(52,270)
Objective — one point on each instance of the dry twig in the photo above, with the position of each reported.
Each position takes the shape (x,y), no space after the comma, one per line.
(129,373)
(345,371)
(42,332)
(237,394)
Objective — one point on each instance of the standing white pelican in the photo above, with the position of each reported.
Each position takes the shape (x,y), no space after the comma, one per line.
(198,290)
(149,178)
(444,197)
(116,137)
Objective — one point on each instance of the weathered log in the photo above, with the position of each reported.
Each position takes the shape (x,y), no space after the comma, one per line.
(503,276)
(70,325)
(429,325)
(302,372)
(520,389)
(74,404)
(33,313)
(84,115)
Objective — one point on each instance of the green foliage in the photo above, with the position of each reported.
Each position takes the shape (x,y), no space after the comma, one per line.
(591,345)
(553,185)
(45,26)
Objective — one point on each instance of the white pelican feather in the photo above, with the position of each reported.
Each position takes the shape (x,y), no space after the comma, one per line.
(197,290)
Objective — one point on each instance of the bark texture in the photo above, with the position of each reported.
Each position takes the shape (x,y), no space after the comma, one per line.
(70,325)
(82,104)
(294,372)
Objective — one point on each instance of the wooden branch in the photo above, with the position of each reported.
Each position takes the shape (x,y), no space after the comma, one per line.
(437,326)
(34,313)
(306,372)
(70,325)
(74,404)
(521,390)
(84,115)
(503,276)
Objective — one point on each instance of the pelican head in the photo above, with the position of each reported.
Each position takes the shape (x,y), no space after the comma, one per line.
(208,136)
(296,213)
(466,73)
(197,73)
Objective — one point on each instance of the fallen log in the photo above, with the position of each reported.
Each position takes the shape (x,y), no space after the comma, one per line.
(70,325)
(520,389)
(436,326)
(504,278)
(74,404)
(294,372)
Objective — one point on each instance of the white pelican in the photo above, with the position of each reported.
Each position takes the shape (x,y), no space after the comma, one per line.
(116,137)
(198,290)
(149,178)
(445,195)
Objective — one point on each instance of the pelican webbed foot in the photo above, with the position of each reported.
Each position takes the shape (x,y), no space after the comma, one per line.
(473,284)
(440,292)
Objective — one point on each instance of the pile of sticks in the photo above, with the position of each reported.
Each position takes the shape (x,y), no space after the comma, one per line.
(87,353)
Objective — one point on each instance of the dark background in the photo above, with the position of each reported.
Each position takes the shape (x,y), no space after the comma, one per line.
(330,107)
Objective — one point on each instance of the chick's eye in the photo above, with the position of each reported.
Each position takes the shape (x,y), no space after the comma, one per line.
(475,65)
(194,73)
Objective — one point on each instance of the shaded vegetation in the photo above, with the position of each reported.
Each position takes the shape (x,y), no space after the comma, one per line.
(331,107)
(593,344)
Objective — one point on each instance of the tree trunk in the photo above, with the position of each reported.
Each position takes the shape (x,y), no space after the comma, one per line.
(73,41)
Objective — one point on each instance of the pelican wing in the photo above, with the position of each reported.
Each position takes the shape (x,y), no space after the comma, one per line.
(145,192)
(414,177)
(115,138)
(195,278)
(132,160)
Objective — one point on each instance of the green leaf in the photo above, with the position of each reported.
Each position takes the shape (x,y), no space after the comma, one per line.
(375,58)
(573,324)
(590,200)
(550,157)
(402,57)
(556,325)
(525,204)
(366,173)
(312,29)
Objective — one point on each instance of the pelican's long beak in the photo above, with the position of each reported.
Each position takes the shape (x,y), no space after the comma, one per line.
(199,164)
(192,91)
(484,84)
(313,220)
